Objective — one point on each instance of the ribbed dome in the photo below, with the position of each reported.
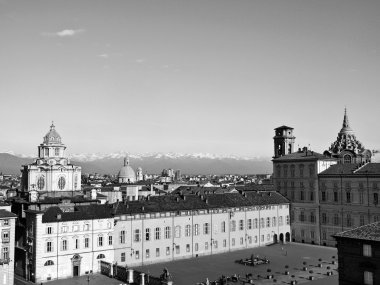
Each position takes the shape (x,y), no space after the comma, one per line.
(127,173)
(52,137)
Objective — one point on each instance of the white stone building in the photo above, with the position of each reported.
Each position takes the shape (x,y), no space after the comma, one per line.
(158,229)
(52,170)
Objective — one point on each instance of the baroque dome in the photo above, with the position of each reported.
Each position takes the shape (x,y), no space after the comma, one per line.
(127,173)
(52,137)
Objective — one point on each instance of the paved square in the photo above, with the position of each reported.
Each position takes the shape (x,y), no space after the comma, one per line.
(196,270)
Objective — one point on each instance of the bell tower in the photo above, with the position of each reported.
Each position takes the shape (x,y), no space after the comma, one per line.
(283,141)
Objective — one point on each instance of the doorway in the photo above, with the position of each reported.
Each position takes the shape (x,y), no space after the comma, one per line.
(76,270)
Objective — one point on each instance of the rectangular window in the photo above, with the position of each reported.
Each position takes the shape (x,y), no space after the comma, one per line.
(262,238)
(196,246)
(177,249)
(324,218)
(137,235)
(167,250)
(223,227)
(187,230)
(49,230)
(122,257)
(215,244)
(109,240)
(167,232)
(233,226)
(367,250)
(5,236)
(312,234)
(76,243)
(157,233)
(122,237)
(241,225)
(64,245)
(147,234)
(6,222)
(287,220)
(187,247)
(75,228)
(5,252)
(49,246)
(335,196)
(368,278)
(206,228)
(196,229)
(233,242)
(241,241)
(375,198)
(86,227)
(86,242)
(147,253)
(137,254)
(100,240)
(224,243)
(206,245)
(157,252)
(249,224)
(64,229)
(348,197)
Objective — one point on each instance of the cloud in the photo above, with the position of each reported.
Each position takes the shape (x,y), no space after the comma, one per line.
(140,60)
(65,33)
(104,55)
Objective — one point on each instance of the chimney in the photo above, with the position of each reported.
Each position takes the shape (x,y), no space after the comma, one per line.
(142,208)
(177,199)
(59,216)
(184,198)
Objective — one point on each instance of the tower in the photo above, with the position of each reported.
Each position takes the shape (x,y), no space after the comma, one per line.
(283,141)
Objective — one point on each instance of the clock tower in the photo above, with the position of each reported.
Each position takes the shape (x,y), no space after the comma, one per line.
(52,170)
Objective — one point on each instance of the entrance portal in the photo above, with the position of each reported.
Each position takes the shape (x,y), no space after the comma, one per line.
(76,260)
(75,270)
(275,238)
(287,237)
(282,237)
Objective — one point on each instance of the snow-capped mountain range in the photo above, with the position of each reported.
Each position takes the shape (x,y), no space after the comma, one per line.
(194,163)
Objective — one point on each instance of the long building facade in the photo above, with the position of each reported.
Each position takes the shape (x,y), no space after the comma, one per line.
(68,243)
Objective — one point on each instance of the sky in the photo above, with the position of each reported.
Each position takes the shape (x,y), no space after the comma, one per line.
(209,76)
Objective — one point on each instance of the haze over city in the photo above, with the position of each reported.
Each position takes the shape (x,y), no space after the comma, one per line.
(187,76)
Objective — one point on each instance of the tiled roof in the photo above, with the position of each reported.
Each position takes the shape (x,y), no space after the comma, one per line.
(366,232)
(6,214)
(94,211)
(352,169)
(167,203)
(303,155)
(256,187)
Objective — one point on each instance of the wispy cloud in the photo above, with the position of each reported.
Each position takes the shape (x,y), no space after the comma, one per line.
(141,60)
(104,55)
(64,33)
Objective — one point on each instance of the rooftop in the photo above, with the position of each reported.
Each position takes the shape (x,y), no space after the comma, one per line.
(352,169)
(303,155)
(367,232)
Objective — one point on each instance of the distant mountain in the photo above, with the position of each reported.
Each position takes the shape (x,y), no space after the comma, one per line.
(153,163)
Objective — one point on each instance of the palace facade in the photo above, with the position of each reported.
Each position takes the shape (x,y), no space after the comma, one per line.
(72,242)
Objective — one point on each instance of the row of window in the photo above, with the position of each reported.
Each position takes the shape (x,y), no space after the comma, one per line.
(348,220)
(64,244)
(349,184)
(74,228)
(292,169)
(167,233)
(349,197)
(214,244)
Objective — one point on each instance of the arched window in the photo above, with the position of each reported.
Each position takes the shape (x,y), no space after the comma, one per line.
(41,183)
(177,231)
(347,158)
(100,256)
(49,262)
(61,183)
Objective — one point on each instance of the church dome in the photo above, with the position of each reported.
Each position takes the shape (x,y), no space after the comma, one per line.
(52,137)
(126,173)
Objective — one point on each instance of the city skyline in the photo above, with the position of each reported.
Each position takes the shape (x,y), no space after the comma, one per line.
(187,77)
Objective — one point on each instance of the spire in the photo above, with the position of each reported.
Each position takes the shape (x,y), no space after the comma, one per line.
(345,119)
(52,127)
(346,129)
